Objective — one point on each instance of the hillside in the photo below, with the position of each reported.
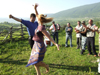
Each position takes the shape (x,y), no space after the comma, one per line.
(71,15)
(91,10)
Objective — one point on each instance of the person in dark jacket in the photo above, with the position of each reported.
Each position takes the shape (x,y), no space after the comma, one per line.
(68,31)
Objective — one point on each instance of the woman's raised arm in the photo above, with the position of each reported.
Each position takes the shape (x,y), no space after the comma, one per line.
(35,7)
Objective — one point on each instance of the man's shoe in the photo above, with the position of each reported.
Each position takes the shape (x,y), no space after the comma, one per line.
(71,46)
(66,46)
(82,51)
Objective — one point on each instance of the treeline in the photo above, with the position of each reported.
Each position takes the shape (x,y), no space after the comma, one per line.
(72,21)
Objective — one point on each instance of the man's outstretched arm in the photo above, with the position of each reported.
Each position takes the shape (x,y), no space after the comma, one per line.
(19,20)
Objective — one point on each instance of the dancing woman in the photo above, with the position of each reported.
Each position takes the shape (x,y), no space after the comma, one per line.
(39,49)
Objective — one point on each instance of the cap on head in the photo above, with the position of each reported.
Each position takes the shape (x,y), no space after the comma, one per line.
(83,22)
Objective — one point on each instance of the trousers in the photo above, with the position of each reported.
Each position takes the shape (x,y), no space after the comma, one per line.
(70,38)
(91,44)
(31,42)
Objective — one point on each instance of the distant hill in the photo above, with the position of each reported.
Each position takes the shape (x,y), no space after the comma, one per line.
(91,10)
(86,11)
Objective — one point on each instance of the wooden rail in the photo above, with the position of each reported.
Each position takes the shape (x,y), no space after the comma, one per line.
(12,33)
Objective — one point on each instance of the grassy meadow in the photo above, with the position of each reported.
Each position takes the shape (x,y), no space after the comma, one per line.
(68,61)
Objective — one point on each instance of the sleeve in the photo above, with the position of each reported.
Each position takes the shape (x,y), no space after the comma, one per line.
(75,27)
(81,28)
(26,23)
(88,29)
(94,26)
(99,29)
(66,29)
(87,25)
(71,29)
(36,23)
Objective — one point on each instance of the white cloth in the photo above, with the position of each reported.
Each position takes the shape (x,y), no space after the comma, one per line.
(90,33)
(78,28)
(46,39)
(53,30)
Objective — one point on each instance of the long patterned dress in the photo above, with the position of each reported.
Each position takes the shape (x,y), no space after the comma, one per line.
(39,49)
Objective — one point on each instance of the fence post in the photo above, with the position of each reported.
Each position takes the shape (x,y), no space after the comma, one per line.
(11,32)
(22,31)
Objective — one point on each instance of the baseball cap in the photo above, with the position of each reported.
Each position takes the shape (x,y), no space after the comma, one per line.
(83,22)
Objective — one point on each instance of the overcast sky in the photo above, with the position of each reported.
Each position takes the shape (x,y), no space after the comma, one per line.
(23,8)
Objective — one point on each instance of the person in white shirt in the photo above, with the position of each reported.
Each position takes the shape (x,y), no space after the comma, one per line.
(54,30)
(91,37)
(78,35)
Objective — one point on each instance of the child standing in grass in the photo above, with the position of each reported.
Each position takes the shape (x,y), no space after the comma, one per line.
(39,49)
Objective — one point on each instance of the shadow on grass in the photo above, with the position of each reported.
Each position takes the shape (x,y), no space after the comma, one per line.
(63,45)
(13,40)
(11,61)
(12,44)
(79,68)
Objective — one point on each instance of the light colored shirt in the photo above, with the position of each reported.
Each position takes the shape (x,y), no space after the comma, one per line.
(90,33)
(82,30)
(78,28)
(53,30)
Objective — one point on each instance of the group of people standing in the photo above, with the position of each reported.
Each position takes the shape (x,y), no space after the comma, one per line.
(54,28)
(85,35)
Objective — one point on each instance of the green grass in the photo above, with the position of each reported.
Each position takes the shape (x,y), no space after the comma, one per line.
(68,61)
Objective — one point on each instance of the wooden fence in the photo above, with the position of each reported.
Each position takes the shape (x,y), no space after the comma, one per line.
(20,32)
(13,32)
